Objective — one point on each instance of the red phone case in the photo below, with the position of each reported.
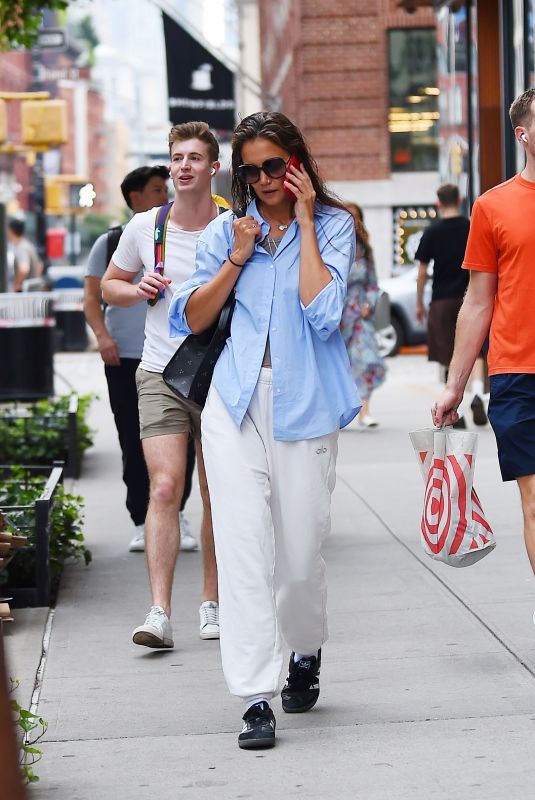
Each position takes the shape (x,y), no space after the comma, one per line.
(293,162)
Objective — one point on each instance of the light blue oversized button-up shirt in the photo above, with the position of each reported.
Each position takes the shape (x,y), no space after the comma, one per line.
(313,391)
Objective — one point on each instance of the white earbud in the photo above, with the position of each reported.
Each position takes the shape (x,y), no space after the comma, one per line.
(524,137)
(212,171)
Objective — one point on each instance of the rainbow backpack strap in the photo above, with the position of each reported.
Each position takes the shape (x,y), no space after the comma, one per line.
(160,232)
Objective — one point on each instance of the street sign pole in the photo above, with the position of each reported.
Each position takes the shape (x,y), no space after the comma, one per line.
(3,248)
(38,194)
(38,206)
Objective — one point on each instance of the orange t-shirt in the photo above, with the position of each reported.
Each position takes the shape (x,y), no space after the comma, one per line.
(502,240)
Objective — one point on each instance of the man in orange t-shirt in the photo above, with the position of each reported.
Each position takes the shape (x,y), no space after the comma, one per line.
(501,296)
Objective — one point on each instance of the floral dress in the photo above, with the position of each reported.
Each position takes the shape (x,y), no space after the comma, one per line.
(367,366)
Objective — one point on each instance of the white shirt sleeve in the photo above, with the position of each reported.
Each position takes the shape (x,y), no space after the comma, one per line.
(128,253)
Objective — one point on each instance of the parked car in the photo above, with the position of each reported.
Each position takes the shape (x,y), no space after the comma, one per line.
(404,327)
(384,330)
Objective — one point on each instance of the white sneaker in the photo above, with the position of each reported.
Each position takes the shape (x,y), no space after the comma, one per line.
(209,616)
(188,542)
(367,422)
(156,632)
(137,544)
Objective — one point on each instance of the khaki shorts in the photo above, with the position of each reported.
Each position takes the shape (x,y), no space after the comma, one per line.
(161,411)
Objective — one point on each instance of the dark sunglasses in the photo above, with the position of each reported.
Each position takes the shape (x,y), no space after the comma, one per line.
(272,167)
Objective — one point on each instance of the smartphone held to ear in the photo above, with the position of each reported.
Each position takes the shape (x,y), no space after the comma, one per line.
(293,162)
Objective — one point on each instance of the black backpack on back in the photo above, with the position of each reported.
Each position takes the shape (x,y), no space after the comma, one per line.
(114,234)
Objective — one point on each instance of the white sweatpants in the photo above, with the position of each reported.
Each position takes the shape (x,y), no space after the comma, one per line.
(271,513)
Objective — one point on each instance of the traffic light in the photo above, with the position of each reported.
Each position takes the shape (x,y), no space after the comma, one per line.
(43,122)
(53,197)
(68,194)
(456,159)
(3,122)
(86,196)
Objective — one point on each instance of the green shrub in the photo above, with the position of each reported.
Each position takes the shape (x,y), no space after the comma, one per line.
(39,433)
(66,537)
(31,727)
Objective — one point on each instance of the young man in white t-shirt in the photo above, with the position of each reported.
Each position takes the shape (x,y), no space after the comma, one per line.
(165,422)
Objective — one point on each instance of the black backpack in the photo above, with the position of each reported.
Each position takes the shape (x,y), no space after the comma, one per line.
(114,234)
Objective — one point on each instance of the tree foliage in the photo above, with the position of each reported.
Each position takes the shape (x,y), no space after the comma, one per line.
(21,19)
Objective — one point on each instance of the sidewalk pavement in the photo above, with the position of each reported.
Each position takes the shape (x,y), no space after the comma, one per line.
(428,678)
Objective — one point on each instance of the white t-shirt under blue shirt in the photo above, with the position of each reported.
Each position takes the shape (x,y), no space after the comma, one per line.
(314,393)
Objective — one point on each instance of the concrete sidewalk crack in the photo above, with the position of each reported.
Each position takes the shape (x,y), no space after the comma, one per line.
(384,723)
(440,580)
(40,673)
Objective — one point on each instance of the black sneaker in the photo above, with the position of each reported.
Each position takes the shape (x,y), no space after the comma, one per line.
(478,410)
(460,425)
(259,728)
(302,687)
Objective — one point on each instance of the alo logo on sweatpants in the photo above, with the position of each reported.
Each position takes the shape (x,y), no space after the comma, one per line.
(321,450)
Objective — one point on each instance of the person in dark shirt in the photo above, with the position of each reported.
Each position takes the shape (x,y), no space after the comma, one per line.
(444,243)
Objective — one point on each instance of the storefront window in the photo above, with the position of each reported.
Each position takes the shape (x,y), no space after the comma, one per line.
(409,224)
(413,115)
(457,82)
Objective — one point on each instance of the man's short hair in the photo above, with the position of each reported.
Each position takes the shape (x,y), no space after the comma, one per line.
(136,180)
(521,111)
(17,226)
(195,130)
(448,194)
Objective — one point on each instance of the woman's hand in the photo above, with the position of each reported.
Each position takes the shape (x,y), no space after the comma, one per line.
(366,311)
(299,183)
(246,232)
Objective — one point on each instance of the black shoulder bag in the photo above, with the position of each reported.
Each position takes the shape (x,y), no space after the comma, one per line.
(189,372)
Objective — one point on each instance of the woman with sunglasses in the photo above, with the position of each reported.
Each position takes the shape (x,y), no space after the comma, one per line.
(281,390)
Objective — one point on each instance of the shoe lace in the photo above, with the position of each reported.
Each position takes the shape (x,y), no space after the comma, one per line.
(156,614)
(257,713)
(209,615)
(301,677)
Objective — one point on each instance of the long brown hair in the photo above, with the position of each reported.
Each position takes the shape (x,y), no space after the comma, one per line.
(277,128)
(362,234)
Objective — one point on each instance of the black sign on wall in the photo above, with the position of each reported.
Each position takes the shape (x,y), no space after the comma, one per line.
(200,87)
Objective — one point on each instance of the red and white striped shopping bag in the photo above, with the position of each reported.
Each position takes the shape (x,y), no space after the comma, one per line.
(454,529)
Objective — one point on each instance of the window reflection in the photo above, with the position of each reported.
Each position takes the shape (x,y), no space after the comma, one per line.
(409,225)
(414,114)
(530,44)
(457,80)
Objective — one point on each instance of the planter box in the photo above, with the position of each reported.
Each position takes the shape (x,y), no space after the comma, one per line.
(51,436)
(32,521)
(27,346)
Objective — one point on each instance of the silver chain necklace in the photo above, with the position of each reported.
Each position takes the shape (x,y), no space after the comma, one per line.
(270,244)
(280,225)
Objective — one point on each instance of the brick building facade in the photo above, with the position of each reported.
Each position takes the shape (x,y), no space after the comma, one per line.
(86,151)
(325,64)
(15,75)
(86,148)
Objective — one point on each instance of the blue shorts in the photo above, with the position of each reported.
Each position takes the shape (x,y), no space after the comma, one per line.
(512,416)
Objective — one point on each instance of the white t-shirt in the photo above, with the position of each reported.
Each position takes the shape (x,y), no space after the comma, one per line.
(135,251)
